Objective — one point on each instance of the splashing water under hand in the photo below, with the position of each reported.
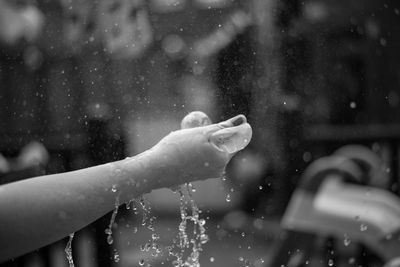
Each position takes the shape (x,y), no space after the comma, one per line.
(68,250)
(108,231)
(193,119)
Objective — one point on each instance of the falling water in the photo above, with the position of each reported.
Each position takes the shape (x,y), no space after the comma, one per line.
(108,231)
(148,220)
(197,239)
(68,250)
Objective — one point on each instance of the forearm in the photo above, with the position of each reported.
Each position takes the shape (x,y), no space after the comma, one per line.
(38,211)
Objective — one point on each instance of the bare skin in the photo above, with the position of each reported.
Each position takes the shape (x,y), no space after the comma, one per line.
(41,210)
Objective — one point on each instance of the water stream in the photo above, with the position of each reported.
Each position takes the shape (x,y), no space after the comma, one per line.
(68,250)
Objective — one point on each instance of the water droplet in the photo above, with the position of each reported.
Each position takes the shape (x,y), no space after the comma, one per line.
(212,259)
(141,262)
(155,237)
(246,263)
(352,260)
(260,187)
(363,227)
(116,256)
(228,198)
(353,104)
(346,240)
(241,259)
(330,262)
(243,234)
(114,188)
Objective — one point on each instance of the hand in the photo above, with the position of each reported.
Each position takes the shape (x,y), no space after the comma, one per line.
(197,153)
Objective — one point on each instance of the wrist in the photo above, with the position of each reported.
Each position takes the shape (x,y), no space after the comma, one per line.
(141,174)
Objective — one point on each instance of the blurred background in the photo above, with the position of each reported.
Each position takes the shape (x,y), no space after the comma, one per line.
(87,82)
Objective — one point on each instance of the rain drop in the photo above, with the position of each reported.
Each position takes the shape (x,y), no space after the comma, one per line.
(114,188)
(363,227)
(346,240)
(116,256)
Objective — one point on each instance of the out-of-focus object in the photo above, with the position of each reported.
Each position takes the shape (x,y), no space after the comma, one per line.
(19,23)
(199,93)
(79,24)
(393,263)
(335,199)
(4,164)
(125,27)
(30,162)
(34,153)
(372,165)
(165,6)
(33,22)
(208,4)
(236,23)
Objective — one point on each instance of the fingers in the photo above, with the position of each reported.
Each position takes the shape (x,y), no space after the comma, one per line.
(232,122)
(235,121)
(229,136)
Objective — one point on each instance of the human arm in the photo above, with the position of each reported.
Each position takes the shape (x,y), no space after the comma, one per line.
(38,211)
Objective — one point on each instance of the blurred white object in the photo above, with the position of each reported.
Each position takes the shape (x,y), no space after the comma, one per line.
(33,22)
(326,204)
(19,23)
(34,153)
(4,164)
(125,27)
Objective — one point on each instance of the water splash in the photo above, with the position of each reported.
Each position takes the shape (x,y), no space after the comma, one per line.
(185,241)
(148,221)
(147,218)
(108,231)
(68,250)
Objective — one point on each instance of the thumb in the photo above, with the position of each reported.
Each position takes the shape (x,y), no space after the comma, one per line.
(233,135)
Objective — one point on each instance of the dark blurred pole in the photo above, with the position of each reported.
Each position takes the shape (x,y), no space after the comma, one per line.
(267,109)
